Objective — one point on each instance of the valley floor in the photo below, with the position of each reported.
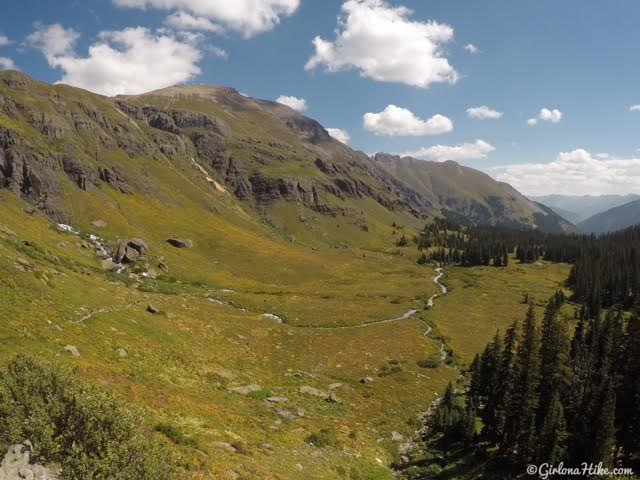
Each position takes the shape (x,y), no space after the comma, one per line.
(250,394)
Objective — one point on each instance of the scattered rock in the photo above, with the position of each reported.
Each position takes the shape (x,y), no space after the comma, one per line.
(224,373)
(246,389)
(17,465)
(99,224)
(396,437)
(7,231)
(366,380)
(73,350)
(152,309)
(286,414)
(121,352)
(277,400)
(180,242)
(333,398)
(109,265)
(333,386)
(271,316)
(311,391)
(163,267)
(224,446)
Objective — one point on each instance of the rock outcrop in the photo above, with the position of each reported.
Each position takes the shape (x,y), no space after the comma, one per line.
(130,250)
(17,465)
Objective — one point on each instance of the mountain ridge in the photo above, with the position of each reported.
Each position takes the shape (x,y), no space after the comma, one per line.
(617,218)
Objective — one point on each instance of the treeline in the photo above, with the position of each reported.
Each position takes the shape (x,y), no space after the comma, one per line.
(605,269)
(545,395)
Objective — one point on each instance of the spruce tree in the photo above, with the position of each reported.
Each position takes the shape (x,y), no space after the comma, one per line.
(552,440)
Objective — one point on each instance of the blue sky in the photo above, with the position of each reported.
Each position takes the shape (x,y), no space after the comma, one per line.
(576,58)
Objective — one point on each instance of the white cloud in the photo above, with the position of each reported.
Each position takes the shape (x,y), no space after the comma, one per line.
(573,173)
(4,41)
(7,64)
(217,52)
(546,115)
(299,104)
(53,40)
(483,113)
(339,134)
(466,151)
(396,121)
(384,44)
(634,108)
(186,21)
(471,48)
(129,61)
(248,17)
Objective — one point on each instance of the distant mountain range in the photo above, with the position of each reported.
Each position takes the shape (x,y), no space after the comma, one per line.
(596,214)
(613,219)
(577,208)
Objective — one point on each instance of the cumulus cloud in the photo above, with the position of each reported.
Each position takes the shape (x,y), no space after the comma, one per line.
(634,108)
(186,21)
(339,134)
(249,17)
(396,121)
(546,115)
(483,113)
(384,44)
(471,48)
(299,104)
(7,64)
(465,151)
(53,40)
(129,61)
(574,173)
(4,41)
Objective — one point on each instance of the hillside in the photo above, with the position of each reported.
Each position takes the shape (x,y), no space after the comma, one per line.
(617,218)
(577,208)
(469,196)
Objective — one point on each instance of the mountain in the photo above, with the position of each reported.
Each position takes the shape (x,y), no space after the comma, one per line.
(60,142)
(577,208)
(470,196)
(613,219)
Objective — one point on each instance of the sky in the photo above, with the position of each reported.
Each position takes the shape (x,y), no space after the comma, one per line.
(538,93)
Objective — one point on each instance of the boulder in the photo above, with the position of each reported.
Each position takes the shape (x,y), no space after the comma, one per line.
(366,380)
(17,465)
(333,398)
(313,392)
(245,389)
(277,400)
(121,352)
(73,350)
(152,309)
(180,242)
(99,224)
(129,250)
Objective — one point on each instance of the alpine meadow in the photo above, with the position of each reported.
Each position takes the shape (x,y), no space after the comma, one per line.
(386,249)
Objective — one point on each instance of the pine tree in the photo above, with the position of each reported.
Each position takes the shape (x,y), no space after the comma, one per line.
(604,428)
(553,434)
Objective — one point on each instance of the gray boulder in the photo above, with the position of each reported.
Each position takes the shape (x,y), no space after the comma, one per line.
(17,465)
(129,250)
(180,242)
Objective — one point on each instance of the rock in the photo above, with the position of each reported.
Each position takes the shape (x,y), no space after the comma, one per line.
(121,352)
(224,446)
(99,224)
(333,398)
(273,317)
(180,243)
(286,414)
(245,390)
(333,386)
(277,400)
(313,392)
(366,380)
(73,350)
(128,251)
(163,267)
(152,309)
(396,437)
(17,465)
(109,265)
(7,231)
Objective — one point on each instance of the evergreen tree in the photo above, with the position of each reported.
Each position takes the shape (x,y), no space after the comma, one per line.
(552,440)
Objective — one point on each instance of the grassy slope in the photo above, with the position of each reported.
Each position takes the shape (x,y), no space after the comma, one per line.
(178,361)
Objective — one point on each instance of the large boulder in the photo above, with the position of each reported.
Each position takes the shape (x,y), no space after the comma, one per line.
(17,465)
(129,250)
